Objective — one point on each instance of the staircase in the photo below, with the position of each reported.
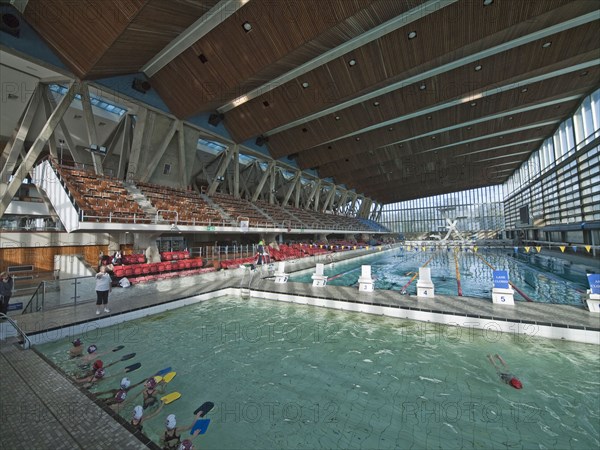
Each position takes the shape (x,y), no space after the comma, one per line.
(141,200)
(216,207)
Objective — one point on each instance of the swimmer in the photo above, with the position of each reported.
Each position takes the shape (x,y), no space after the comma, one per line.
(98,374)
(171,439)
(137,418)
(149,392)
(77,349)
(507,377)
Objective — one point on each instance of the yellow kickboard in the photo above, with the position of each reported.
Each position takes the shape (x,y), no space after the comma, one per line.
(168,377)
(170,397)
(158,378)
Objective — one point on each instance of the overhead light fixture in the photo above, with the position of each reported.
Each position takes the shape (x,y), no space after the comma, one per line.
(477,68)
(423,87)
(524,90)
(391,129)
(412,35)
(510,118)
(247,26)
(487,2)
(240,100)
(337,117)
(375,103)
(305,85)
(429,117)
(546,44)
(352,62)
(584,73)
(473,104)
(357,139)
(433,138)
(469,128)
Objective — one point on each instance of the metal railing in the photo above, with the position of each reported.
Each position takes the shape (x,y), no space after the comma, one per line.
(26,341)
(57,293)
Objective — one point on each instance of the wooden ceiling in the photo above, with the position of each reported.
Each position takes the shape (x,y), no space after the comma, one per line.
(459,106)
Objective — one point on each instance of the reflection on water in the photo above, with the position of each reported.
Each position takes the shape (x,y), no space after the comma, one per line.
(294,376)
(540,278)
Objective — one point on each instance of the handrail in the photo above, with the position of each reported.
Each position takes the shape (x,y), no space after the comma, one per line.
(35,294)
(26,340)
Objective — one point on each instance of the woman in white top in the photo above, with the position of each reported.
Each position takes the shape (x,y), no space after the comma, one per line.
(103,286)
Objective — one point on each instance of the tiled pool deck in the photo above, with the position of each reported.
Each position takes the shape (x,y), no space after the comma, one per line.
(45,410)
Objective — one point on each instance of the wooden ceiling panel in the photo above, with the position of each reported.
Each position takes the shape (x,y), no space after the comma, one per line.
(558,87)
(350,168)
(80,32)
(398,55)
(529,61)
(156,25)
(276,32)
(425,150)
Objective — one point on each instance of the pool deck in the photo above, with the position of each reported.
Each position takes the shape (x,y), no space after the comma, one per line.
(46,410)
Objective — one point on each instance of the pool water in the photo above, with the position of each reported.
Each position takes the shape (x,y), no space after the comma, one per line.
(289,376)
(540,278)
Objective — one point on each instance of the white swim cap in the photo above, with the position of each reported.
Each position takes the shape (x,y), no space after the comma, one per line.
(125,383)
(138,412)
(171,422)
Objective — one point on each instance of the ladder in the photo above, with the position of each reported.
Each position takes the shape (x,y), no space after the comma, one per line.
(246,282)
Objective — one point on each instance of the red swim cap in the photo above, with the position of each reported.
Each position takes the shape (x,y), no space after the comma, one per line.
(98,364)
(514,382)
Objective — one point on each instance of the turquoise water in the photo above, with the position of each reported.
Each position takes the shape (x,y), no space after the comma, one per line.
(540,278)
(288,376)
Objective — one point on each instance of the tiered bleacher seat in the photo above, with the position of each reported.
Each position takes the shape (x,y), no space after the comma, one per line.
(100,197)
(237,207)
(184,205)
(278,214)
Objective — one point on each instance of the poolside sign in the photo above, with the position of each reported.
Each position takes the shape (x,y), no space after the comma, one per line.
(594,280)
(501,279)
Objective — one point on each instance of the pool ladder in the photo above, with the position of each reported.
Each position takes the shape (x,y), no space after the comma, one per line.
(246,282)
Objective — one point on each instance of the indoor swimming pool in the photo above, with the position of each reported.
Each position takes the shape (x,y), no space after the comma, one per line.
(536,277)
(287,376)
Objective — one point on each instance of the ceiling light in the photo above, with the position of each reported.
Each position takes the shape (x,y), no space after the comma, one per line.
(524,90)
(357,139)
(305,85)
(337,117)
(487,2)
(428,117)
(546,44)
(477,68)
(240,100)
(423,87)
(473,104)
(391,129)
(469,128)
(510,118)
(352,62)
(247,27)
(433,137)
(375,103)
(584,73)
(412,35)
